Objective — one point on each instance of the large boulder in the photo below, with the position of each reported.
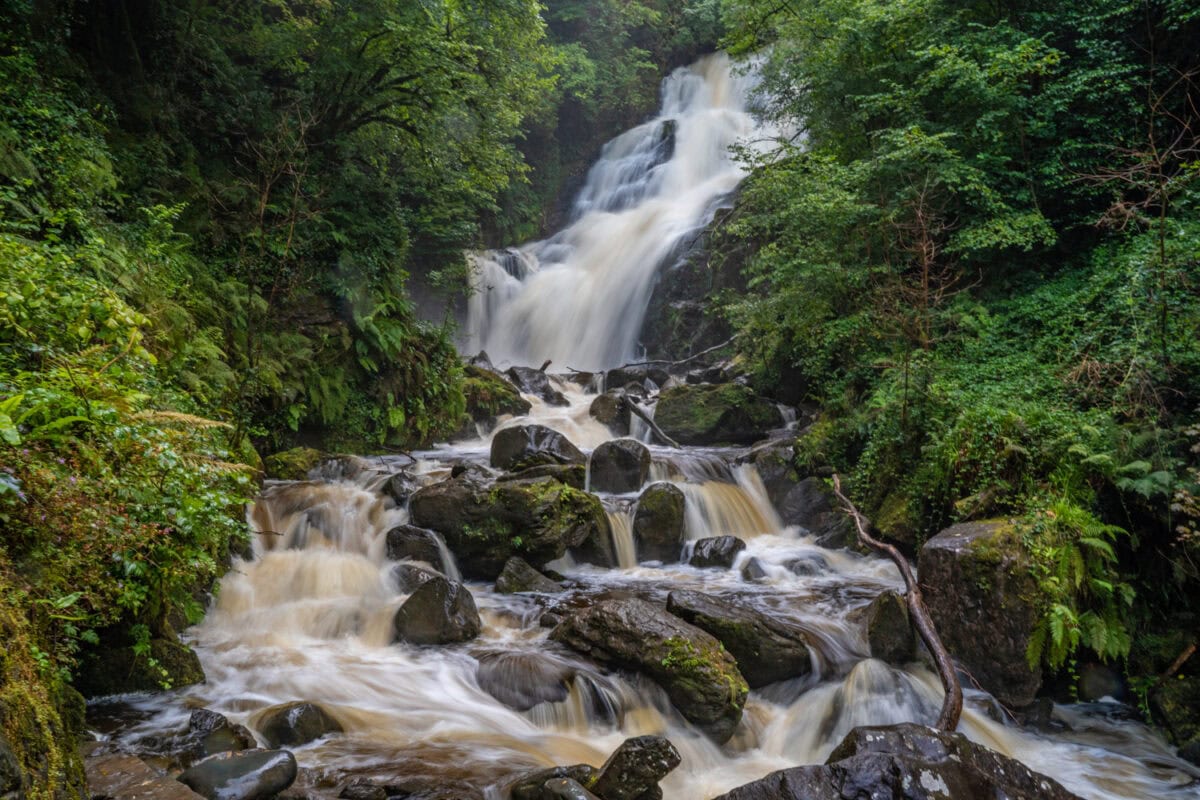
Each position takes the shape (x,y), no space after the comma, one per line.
(117,669)
(699,676)
(976,580)
(619,466)
(573,475)
(715,414)
(612,410)
(542,784)
(416,544)
(294,724)
(766,650)
(716,551)
(658,528)
(535,382)
(810,504)
(638,375)
(292,465)
(519,576)
(635,768)
(490,395)
(439,611)
(210,733)
(525,446)
(906,762)
(522,680)
(485,526)
(890,634)
(248,775)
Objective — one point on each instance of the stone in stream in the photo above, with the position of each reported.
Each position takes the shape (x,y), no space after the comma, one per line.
(612,409)
(535,382)
(977,583)
(439,611)
(490,395)
(296,723)
(716,551)
(715,414)
(484,526)
(519,576)
(619,466)
(766,650)
(623,376)
(522,680)
(567,789)
(248,775)
(753,571)
(532,786)
(210,733)
(658,523)
(635,768)
(906,762)
(114,775)
(116,669)
(524,446)
(399,487)
(292,465)
(699,676)
(417,544)
(409,577)
(573,475)
(890,634)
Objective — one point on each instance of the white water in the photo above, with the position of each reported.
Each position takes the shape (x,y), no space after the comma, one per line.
(579,298)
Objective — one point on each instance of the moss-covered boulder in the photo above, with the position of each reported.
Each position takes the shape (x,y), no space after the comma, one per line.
(620,466)
(1176,702)
(976,580)
(890,634)
(292,465)
(117,669)
(484,526)
(612,410)
(525,446)
(519,576)
(658,528)
(715,414)
(699,676)
(490,395)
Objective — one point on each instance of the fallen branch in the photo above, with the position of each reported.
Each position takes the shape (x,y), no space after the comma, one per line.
(636,409)
(952,703)
(692,357)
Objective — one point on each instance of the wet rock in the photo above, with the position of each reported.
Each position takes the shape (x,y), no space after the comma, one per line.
(118,670)
(976,581)
(658,523)
(519,576)
(363,791)
(399,487)
(490,395)
(611,409)
(716,551)
(890,634)
(533,785)
(699,676)
(573,475)
(293,724)
(416,544)
(810,504)
(292,465)
(409,577)
(440,611)
(567,789)
(639,375)
(203,721)
(810,564)
(210,733)
(765,649)
(525,446)
(484,527)
(620,466)
(635,768)
(248,775)
(905,762)
(754,571)
(522,680)
(535,382)
(715,414)
(115,775)
(774,464)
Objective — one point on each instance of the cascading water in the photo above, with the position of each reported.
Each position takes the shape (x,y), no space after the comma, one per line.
(309,616)
(579,298)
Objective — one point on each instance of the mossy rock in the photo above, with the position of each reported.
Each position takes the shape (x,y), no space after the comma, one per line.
(292,465)
(658,523)
(896,522)
(715,414)
(490,395)
(116,669)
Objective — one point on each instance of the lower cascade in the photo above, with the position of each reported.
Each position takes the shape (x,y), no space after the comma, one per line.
(303,649)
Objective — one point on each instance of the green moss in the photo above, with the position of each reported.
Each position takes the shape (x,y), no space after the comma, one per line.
(294,464)
(489,395)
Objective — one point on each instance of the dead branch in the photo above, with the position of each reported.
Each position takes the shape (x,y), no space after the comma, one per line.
(636,409)
(692,357)
(952,703)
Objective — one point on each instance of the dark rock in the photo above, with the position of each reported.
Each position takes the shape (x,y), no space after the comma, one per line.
(118,670)
(1174,703)
(658,523)
(976,581)
(232,739)
(774,464)
(536,382)
(525,446)
(293,724)
(522,680)
(810,504)
(567,789)
(716,551)
(11,776)
(533,785)
(753,571)
(715,414)
(483,528)
(612,410)
(519,576)
(203,721)
(1190,752)
(766,650)
(573,475)
(248,775)
(292,465)
(363,791)
(118,776)
(890,634)
(620,466)
(399,487)
(810,564)
(699,676)
(623,376)
(635,768)
(440,611)
(409,577)
(417,544)
(490,395)
(1098,681)
(906,762)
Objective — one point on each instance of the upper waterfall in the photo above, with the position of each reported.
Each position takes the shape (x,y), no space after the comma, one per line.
(579,297)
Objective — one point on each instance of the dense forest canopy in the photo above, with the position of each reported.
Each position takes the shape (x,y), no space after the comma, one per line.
(978,258)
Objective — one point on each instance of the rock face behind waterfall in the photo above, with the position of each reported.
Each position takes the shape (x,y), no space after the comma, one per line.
(978,587)
(715,414)
(699,676)
(906,762)
(485,526)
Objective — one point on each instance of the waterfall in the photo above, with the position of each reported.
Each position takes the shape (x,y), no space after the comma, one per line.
(579,297)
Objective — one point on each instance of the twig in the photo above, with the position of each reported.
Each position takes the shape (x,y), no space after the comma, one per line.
(952,703)
(1179,661)
(692,357)
(636,409)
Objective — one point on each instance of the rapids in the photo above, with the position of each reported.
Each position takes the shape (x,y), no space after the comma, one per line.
(308,616)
